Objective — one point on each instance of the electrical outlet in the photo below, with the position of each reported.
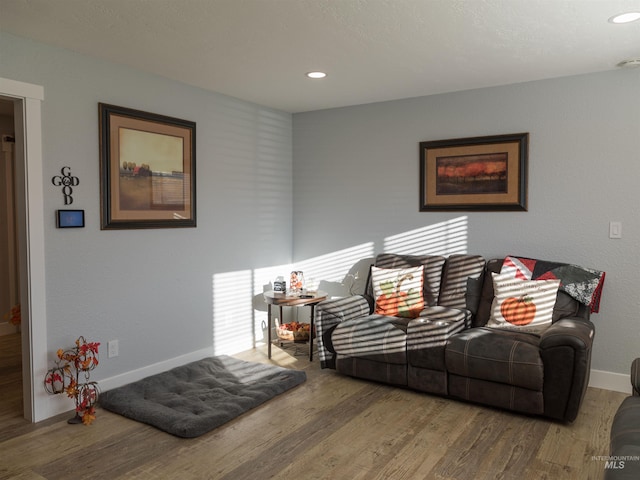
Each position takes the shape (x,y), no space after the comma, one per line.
(112,348)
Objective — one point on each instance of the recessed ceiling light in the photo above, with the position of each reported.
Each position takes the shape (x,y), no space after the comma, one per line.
(625,17)
(316,74)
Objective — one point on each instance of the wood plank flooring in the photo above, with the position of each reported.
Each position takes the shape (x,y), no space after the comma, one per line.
(330,427)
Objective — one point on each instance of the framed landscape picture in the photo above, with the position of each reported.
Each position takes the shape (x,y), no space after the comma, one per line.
(147,170)
(479,173)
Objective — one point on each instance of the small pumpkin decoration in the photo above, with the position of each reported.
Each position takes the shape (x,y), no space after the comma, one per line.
(54,380)
(387,303)
(394,302)
(518,310)
(412,304)
(65,378)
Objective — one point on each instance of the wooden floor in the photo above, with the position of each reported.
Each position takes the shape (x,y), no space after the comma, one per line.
(330,427)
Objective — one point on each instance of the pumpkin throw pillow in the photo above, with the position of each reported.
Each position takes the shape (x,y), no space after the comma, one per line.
(522,305)
(398,291)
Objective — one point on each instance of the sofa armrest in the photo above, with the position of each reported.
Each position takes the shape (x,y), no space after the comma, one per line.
(635,376)
(574,332)
(565,348)
(328,315)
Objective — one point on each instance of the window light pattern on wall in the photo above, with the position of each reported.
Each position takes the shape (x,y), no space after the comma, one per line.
(232,312)
(240,314)
(339,273)
(444,238)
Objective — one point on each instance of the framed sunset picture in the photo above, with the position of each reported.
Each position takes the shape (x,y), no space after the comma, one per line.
(478,173)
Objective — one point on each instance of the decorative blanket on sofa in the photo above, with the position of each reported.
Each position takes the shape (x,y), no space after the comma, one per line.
(582,284)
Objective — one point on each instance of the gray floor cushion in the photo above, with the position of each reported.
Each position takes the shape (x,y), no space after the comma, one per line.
(193,399)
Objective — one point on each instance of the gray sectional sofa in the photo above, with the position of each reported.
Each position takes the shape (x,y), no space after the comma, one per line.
(448,350)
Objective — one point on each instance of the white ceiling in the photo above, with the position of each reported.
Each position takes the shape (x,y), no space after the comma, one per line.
(372,50)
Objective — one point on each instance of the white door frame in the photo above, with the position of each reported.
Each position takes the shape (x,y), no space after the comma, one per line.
(30,206)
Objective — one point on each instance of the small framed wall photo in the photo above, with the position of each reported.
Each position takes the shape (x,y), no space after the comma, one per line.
(479,173)
(70,218)
(147,170)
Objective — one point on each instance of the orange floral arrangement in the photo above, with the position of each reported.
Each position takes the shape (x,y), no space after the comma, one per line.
(14,316)
(63,379)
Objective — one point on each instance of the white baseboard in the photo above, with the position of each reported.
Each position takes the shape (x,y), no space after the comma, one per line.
(57,404)
(618,382)
(140,373)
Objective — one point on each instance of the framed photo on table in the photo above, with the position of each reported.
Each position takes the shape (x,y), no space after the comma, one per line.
(479,173)
(147,170)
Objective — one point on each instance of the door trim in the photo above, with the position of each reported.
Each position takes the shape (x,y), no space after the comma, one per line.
(28,100)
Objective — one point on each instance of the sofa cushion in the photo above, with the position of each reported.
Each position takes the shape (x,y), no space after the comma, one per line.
(484,306)
(376,337)
(433,265)
(501,356)
(625,442)
(427,336)
(398,291)
(524,305)
(565,307)
(625,429)
(457,271)
(498,395)
(371,369)
(426,380)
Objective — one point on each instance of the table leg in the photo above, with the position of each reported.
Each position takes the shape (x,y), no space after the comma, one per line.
(269,330)
(311,332)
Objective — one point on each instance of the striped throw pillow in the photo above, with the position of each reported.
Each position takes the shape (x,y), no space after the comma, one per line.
(522,305)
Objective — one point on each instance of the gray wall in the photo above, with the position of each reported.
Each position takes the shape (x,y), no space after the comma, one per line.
(356,185)
(342,186)
(162,293)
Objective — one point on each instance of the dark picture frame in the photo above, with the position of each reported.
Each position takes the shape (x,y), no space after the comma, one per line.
(474,174)
(147,170)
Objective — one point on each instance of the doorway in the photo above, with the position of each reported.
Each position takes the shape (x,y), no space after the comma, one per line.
(9,279)
(10,318)
(26,100)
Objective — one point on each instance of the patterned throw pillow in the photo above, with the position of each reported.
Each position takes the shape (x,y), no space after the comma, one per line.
(398,291)
(522,305)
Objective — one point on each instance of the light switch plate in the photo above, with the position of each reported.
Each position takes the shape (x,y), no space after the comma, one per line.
(615,230)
